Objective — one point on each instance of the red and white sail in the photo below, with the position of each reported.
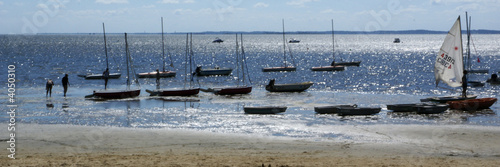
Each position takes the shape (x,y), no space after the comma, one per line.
(448,67)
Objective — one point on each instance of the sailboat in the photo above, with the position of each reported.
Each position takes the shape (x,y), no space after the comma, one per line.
(344,63)
(471,104)
(100,75)
(183,91)
(286,67)
(292,87)
(119,94)
(215,71)
(162,74)
(217,40)
(449,65)
(331,67)
(241,60)
(200,71)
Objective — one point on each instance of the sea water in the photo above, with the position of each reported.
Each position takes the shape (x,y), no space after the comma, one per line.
(390,73)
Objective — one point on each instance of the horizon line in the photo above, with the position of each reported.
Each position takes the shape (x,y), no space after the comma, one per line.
(477,31)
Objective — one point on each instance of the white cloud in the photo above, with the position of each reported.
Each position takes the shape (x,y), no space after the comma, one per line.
(182,11)
(462,1)
(412,8)
(300,2)
(92,12)
(148,6)
(111,1)
(261,5)
(468,7)
(175,1)
(169,1)
(331,11)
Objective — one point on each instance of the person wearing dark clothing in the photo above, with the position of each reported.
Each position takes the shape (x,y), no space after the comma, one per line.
(48,87)
(464,84)
(65,84)
(105,75)
(493,79)
(157,78)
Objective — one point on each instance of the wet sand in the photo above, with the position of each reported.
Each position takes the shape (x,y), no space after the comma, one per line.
(361,145)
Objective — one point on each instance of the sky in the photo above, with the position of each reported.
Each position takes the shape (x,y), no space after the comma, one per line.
(139,16)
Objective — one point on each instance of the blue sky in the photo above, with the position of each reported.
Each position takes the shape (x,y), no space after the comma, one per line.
(86,16)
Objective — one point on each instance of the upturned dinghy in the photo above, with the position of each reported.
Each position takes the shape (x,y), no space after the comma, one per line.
(264,109)
(331,109)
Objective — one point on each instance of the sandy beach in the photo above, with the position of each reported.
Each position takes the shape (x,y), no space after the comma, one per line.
(362,145)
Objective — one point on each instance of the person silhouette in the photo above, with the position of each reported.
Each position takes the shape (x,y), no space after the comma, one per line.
(48,87)
(65,84)
(105,75)
(157,79)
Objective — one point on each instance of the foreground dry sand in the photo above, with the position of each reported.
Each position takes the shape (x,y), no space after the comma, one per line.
(368,145)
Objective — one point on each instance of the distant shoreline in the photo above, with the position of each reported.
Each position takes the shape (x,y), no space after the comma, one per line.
(480,31)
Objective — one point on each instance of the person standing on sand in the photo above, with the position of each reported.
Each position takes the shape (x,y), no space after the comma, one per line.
(65,84)
(48,87)
(105,75)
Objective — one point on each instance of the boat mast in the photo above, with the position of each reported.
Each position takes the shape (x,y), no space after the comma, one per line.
(186,59)
(242,59)
(468,22)
(162,44)
(128,55)
(190,56)
(284,40)
(105,46)
(333,40)
(237,62)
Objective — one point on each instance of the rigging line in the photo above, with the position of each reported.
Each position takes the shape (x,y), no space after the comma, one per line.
(291,56)
(284,42)
(170,58)
(473,45)
(114,60)
(162,45)
(129,57)
(133,71)
(333,40)
(237,62)
(245,59)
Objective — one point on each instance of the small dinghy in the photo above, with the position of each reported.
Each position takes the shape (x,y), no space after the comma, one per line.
(431,109)
(264,109)
(472,104)
(292,87)
(331,109)
(212,71)
(328,68)
(346,111)
(444,99)
(402,107)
